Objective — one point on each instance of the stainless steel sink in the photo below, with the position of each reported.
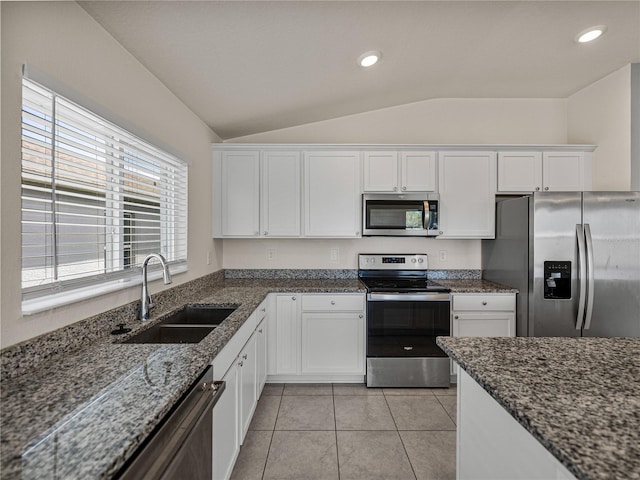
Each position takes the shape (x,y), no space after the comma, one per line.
(188,325)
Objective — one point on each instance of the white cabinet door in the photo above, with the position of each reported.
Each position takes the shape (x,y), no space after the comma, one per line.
(281,194)
(380,171)
(467,184)
(240,185)
(418,171)
(333,343)
(519,171)
(226,442)
(563,171)
(261,356)
(283,336)
(247,384)
(494,324)
(332,194)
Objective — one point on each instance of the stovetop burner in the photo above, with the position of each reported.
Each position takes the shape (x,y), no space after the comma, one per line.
(402,285)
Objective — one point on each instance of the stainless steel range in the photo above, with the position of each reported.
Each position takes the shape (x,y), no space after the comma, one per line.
(405,313)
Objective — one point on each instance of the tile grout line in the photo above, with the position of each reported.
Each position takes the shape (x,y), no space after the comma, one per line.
(447,411)
(415,476)
(266,460)
(335,424)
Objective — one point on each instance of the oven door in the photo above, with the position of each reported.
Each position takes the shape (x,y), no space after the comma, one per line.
(406,325)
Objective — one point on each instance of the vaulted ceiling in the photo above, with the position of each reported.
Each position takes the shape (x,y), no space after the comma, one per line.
(246,67)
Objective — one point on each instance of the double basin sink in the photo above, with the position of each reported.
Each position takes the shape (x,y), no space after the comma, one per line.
(188,325)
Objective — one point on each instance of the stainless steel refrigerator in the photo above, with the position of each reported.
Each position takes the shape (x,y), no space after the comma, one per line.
(575,258)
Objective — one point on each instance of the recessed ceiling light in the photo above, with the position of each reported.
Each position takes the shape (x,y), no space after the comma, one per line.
(368,59)
(591,34)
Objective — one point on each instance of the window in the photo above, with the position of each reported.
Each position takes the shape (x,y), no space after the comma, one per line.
(96,199)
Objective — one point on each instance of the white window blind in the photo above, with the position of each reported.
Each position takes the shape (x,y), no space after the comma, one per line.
(96,199)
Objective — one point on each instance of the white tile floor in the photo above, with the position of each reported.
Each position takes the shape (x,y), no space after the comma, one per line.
(350,432)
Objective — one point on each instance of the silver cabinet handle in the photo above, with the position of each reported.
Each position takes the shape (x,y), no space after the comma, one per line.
(260,330)
(361,316)
(537,189)
(395,189)
(404,189)
(266,233)
(455,317)
(263,309)
(440,232)
(546,188)
(333,302)
(484,303)
(244,357)
(240,364)
(293,298)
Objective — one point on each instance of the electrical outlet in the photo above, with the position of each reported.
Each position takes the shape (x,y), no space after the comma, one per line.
(271,254)
(443,255)
(334,254)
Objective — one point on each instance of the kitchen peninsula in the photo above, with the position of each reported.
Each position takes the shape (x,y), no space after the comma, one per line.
(559,408)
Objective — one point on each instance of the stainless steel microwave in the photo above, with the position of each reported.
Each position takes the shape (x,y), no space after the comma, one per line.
(411,214)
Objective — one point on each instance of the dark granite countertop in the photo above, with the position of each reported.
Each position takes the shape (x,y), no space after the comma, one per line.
(84,413)
(475,286)
(579,397)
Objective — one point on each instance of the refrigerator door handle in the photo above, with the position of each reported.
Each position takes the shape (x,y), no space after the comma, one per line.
(590,275)
(582,274)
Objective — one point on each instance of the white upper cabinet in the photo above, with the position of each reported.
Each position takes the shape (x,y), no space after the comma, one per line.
(396,172)
(281,194)
(564,172)
(467,184)
(332,193)
(524,172)
(239,180)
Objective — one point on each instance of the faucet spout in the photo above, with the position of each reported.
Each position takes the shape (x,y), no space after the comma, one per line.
(146,304)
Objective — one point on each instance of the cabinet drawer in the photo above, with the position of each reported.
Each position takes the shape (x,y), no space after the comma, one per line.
(479,303)
(332,303)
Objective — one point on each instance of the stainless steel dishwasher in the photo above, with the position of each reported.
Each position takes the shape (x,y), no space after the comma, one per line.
(182,447)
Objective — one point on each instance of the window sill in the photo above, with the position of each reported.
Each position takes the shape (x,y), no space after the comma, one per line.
(60,299)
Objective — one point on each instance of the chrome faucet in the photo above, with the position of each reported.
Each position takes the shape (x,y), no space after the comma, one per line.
(146,304)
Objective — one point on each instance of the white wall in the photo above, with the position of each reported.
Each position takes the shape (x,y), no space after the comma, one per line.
(600,114)
(443,121)
(60,39)
(452,120)
(316,253)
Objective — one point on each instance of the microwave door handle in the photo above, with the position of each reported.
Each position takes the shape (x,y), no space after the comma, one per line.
(427,216)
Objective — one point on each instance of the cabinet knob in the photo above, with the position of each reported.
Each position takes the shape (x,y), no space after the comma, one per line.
(546,188)
(333,302)
(240,364)
(259,330)
(404,189)
(361,316)
(484,303)
(395,189)
(455,317)
(244,357)
(293,298)
(440,232)
(537,189)
(266,233)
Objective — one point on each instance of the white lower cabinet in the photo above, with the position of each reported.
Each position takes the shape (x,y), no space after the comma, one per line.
(241,364)
(247,381)
(317,338)
(333,343)
(483,315)
(226,441)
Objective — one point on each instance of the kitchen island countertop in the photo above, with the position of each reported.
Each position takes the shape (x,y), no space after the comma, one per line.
(579,397)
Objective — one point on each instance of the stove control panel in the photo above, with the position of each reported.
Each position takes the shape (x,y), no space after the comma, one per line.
(415,261)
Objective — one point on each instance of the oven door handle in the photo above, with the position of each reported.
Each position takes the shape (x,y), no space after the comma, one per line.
(408,297)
